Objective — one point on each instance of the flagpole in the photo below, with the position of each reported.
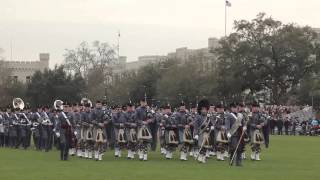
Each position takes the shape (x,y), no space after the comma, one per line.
(225,18)
(118,45)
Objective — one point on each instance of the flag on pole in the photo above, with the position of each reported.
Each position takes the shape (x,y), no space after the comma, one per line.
(228,3)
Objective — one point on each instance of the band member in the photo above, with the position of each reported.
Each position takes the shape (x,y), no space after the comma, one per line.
(242,110)
(143,118)
(14,128)
(159,116)
(2,127)
(171,132)
(131,130)
(221,142)
(118,121)
(64,130)
(87,137)
(24,126)
(6,120)
(46,129)
(203,128)
(256,123)
(101,119)
(76,111)
(191,118)
(185,133)
(236,127)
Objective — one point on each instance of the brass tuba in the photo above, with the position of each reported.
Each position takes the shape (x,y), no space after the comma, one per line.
(18,103)
(86,101)
(58,105)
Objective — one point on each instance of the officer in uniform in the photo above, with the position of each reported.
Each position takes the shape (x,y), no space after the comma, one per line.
(235,126)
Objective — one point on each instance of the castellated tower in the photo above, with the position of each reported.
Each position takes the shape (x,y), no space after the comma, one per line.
(23,70)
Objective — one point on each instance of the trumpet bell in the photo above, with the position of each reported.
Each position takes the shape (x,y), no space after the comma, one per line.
(58,105)
(18,103)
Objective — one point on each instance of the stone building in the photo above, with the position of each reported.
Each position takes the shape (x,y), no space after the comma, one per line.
(23,70)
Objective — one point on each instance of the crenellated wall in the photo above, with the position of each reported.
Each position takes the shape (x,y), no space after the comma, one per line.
(23,70)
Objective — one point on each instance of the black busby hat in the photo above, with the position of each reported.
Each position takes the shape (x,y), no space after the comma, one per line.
(255,104)
(240,104)
(219,105)
(182,103)
(204,103)
(167,106)
(233,105)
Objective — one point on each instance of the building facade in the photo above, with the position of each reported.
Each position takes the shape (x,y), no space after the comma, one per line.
(23,70)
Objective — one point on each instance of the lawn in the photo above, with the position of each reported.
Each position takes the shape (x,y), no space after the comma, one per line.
(288,158)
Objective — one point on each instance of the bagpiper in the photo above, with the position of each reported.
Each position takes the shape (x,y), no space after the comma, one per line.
(185,134)
(221,143)
(100,119)
(144,118)
(131,130)
(171,132)
(203,127)
(119,121)
(87,137)
(256,123)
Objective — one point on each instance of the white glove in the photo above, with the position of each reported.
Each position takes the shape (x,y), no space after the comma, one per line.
(229,135)
(166,116)
(244,128)
(208,115)
(212,127)
(75,133)
(196,137)
(58,134)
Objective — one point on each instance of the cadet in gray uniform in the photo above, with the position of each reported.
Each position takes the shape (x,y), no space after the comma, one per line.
(64,130)
(202,129)
(131,130)
(256,123)
(171,132)
(185,133)
(119,121)
(101,120)
(143,118)
(235,126)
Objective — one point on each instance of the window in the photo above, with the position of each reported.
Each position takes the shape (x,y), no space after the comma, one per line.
(15,79)
(28,79)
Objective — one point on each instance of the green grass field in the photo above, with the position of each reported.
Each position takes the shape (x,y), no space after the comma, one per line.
(288,158)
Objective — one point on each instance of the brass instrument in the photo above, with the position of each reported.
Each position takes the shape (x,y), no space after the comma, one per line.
(19,104)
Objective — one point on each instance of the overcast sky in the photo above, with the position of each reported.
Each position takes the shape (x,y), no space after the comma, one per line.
(148,27)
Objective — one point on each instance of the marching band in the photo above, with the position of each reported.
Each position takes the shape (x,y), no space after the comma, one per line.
(88,130)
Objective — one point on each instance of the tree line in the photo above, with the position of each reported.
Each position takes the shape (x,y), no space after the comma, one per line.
(263,59)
